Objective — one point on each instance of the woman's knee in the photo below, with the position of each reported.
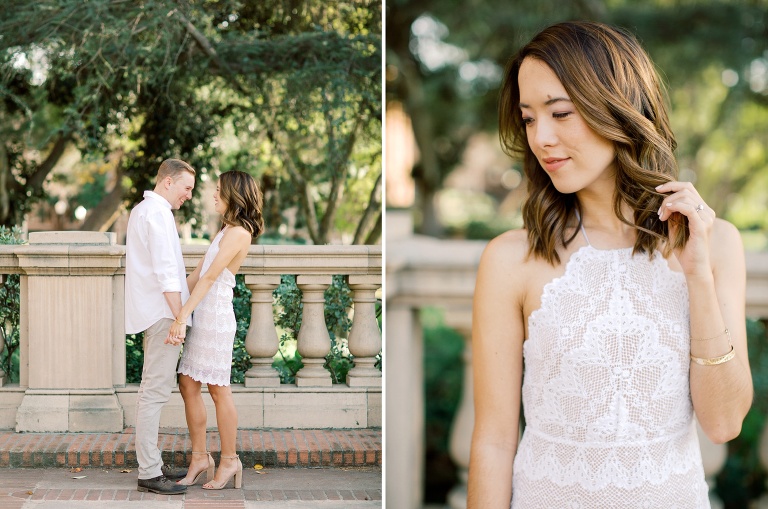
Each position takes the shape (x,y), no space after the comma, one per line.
(219,393)
(188,387)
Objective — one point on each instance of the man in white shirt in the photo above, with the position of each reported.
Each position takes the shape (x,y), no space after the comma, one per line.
(155,289)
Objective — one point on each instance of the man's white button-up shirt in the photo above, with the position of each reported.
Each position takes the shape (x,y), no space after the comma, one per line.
(153,264)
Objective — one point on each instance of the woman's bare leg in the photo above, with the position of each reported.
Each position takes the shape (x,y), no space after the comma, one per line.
(226,419)
(197,417)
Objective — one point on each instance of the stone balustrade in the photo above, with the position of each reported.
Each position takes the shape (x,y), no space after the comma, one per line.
(72,349)
(423,271)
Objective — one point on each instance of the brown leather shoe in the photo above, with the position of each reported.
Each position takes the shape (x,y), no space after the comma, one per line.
(161,485)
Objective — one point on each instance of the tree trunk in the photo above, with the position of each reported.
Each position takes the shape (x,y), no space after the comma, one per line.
(375,236)
(109,208)
(367,224)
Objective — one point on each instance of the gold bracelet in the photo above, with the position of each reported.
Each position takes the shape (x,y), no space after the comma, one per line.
(180,323)
(715,337)
(714,361)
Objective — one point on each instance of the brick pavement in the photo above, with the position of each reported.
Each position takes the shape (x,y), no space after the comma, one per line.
(268,447)
(278,488)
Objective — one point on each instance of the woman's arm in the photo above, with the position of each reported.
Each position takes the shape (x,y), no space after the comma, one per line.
(232,243)
(721,394)
(713,264)
(194,276)
(497,364)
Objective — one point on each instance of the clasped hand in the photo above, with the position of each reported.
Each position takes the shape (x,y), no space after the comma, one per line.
(176,334)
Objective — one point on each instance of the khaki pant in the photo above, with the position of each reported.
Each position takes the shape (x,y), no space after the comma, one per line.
(157,380)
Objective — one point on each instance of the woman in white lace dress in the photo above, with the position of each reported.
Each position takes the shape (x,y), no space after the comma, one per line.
(617,314)
(207,354)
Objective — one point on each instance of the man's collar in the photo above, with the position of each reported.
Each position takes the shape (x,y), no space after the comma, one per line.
(155,196)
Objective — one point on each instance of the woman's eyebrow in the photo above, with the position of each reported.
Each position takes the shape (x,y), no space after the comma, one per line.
(549,102)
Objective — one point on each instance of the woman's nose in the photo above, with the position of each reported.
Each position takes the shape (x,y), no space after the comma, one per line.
(544,134)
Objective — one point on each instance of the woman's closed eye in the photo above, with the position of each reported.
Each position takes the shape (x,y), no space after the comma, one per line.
(563,114)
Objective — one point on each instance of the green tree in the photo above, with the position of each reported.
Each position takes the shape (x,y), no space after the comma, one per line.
(445,62)
(136,82)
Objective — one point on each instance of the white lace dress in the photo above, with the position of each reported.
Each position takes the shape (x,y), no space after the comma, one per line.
(608,413)
(207,353)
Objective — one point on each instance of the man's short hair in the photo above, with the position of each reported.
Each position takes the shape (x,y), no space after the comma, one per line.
(173,168)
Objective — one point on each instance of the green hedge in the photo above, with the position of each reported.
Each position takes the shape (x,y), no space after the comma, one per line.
(9,312)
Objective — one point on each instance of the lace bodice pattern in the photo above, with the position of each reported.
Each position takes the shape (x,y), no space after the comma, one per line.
(608,413)
(207,353)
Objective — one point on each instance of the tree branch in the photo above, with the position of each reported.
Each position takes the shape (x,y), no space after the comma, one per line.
(101,217)
(38,177)
(339,169)
(367,225)
(305,197)
(4,171)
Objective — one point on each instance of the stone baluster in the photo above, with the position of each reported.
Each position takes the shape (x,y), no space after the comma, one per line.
(463,423)
(261,343)
(713,458)
(313,340)
(3,375)
(365,336)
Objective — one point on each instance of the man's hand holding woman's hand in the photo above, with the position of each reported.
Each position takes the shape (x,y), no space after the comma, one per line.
(177,333)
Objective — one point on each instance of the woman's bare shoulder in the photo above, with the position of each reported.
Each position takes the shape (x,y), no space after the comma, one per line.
(508,249)
(237,235)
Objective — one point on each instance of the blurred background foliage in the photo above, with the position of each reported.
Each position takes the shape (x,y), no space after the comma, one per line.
(287,90)
(445,60)
(444,64)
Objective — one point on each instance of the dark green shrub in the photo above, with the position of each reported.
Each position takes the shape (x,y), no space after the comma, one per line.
(743,478)
(9,311)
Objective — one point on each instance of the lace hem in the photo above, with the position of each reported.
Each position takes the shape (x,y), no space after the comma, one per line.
(210,376)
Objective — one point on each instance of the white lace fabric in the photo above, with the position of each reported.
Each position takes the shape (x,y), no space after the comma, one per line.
(207,352)
(606,396)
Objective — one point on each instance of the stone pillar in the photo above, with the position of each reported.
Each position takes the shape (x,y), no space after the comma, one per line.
(313,340)
(365,336)
(463,423)
(71,328)
(261,343)
(405,417)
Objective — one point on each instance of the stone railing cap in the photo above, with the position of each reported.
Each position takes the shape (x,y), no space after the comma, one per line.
(91,238)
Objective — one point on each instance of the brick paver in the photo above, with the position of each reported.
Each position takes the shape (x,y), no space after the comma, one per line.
(270,447)
(273,488)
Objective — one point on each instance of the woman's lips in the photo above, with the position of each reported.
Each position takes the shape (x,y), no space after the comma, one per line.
(554,163)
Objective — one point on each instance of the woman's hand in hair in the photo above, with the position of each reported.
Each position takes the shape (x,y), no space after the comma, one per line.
(684,200)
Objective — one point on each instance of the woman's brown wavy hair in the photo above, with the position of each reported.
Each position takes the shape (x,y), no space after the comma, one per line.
(614,86)
(242,196)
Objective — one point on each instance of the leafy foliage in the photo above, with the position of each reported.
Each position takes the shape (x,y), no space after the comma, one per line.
(443,375)
(288,92)
(744,478)
(9,311)
(445,61)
